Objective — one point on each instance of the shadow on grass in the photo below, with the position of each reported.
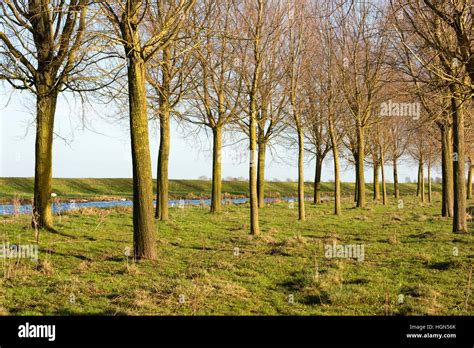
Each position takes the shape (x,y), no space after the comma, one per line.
(77,256)
(322,298)
(443,265)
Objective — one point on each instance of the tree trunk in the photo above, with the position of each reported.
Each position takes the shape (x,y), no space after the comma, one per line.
(376,181)
(216,200)
(337,180)
(421,180)
(459,218)
(301,211)
(384,186)
(360,167)
(469,178)
(447,171)
(395,179)
(356,183)
(317,180)
(144,244)
(429,182)
(45,111)
(254,223)
(418,182)
(162,197)
(262,149)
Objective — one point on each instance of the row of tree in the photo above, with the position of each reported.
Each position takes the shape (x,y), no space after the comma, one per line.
(368,82)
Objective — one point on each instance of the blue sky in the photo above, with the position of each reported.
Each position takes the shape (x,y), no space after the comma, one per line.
(101,149)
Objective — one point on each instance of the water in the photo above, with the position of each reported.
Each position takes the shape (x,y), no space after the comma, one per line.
(9,209)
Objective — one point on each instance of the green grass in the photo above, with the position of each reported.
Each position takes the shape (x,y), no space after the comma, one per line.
(122,188)
(408,252)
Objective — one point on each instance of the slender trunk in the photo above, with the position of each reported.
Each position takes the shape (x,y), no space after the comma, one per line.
(459,218)
(262,149)
(337,180)
(356,184)
(382,167)
(45,111)
(395,179)
(418,182)
(447,171)
(254,223)
(301,211)
(162,196)
(216,200)
(143,222)
(254,218)
(429,181)
(376,181)
(317,180)
(421,180)
(469,178)
(360,167)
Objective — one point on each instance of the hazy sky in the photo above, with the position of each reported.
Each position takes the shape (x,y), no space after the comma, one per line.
(102,148)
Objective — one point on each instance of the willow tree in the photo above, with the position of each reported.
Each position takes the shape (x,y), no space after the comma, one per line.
(297,45)
(331,107)
(316,132)
(126,18)
(169,74)
(42,50)
(383,143)
(272,112)
(270,95)
(251,15)
(373,151)
(273,104)
(431,93)
(396,149)
(252,112)
(216,86)
(362,41)
(444,30)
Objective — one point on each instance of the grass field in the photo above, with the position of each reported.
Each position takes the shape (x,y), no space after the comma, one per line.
(99,189)
(210,264)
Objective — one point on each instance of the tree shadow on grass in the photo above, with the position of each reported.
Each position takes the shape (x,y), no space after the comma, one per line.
(443,265)
(322,298)
(75,255)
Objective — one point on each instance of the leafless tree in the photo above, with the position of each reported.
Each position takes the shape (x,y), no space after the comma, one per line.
(126,17)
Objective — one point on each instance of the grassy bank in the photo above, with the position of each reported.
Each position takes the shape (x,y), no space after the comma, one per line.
(122,188)
(209,264)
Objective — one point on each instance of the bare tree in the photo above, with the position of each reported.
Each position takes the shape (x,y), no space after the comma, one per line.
(217,86)
(43,50)
(273,101)
(444,31)
(255,18)
(126,18)
(169,73)
(363,45)
(297,45)
(331,100)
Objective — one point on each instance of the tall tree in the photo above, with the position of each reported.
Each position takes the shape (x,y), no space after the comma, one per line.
(444,32)
(297,44)
(217,87)
(273,101)
(126,17)
(251,16)
(169,73)
(363,44)
(42,48)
